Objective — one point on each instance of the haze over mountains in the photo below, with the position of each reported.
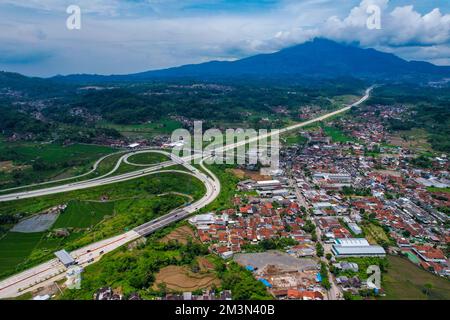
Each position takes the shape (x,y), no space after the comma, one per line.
(319,58)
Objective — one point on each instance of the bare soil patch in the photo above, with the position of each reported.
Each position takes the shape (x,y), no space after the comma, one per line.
(8,166)
(247,174)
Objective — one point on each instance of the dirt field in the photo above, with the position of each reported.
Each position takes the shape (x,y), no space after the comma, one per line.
(8,166)
(246,174)
(181,235)
(182,279)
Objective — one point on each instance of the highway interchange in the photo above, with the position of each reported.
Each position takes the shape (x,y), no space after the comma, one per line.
(53,270)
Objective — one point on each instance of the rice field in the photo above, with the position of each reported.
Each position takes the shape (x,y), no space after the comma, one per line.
(83,214)
(16,247)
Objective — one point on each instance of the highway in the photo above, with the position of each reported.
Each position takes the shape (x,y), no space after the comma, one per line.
(94,168)
(53,270)
(108,179)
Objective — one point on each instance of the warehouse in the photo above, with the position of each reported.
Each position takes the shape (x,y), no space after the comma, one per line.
(356,248)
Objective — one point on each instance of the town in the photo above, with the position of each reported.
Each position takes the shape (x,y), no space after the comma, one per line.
(332,207)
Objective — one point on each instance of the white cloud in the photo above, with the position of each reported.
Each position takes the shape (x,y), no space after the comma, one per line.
(111,42)
(399,27)
(101,7)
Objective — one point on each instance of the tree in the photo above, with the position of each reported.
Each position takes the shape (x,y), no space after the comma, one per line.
(319,249)
(426,289)
(162,287)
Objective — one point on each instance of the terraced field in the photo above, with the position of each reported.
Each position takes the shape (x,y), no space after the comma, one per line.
(181,279)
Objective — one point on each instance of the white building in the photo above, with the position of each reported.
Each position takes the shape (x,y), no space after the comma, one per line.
(354,228)
(203,221)
(268,185)
(358,247)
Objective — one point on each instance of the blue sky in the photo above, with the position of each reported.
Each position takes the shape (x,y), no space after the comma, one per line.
(125,36)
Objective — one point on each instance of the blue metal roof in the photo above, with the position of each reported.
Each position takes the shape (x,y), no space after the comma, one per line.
(266,283)
(250,268)
(318,277)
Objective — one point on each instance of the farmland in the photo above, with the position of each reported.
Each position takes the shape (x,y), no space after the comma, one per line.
(146,130)
(16,247)
(36,162)
(180,278)
(375,234)
(336,134)
(83,214)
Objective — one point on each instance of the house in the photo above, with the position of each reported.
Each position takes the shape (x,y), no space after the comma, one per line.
(202,219)
(346,266)
(304,295)
(429,254)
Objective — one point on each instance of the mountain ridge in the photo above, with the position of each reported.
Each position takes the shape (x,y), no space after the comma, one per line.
(319,58)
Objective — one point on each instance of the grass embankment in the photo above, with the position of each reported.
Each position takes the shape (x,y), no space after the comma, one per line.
(228,183)
(148,158)
(405,281)
(434,189)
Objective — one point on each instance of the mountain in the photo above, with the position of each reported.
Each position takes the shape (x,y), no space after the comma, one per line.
(319,58)
(33,86)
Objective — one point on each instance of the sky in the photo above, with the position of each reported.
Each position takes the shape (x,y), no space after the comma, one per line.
(127,36)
